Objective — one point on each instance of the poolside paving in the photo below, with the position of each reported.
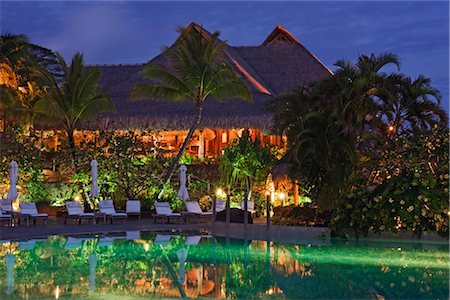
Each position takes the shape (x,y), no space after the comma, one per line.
(56,226)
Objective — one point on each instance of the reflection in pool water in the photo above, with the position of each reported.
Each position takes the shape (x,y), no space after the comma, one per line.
(138,265)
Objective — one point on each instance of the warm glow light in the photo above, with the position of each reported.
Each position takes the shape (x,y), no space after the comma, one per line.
(77,198)
(146,247)
(282,196)
(269,291)
(391,128)
(220,193)
(57,292)
(15,206)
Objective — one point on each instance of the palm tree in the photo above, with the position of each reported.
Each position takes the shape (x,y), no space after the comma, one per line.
(74,99)
(356,86)
(197,73)
(245,163)
(411,104)
(324,153)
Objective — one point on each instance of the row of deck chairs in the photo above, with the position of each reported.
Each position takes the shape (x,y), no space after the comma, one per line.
(28,213)
(193,213)
(106,210)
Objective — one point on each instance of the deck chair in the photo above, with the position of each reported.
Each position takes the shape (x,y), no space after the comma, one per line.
(107,207)
(73,243)
(220,206)
(105,241)
(31,211)
(194,210)
(250,206)
(165,213)
(29,244)
(192,240)
(75,211)
(134,208)
(162,239)
(5,218)
(133,235)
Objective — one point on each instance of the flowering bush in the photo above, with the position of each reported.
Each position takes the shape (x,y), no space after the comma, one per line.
(411,179)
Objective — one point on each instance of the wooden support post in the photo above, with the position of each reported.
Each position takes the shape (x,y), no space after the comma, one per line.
(268,204)
(295,192)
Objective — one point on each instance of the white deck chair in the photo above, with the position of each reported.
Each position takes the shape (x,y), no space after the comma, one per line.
(4,217)
(73,243)
(220,206)
(162,239)
(6,205)
(133,208)
(194,208)
(163,208)
(133,235)
(75,211)
(193,240)
(30,209)
(29,244)
(250,206)
(107,207)
(105,241)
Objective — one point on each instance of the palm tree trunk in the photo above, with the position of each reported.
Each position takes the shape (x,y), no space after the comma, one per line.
(72,145)
(174,164)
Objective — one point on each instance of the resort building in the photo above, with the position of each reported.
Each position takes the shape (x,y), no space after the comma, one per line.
(270,69)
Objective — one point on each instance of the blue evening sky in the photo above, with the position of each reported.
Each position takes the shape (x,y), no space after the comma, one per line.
(133,32)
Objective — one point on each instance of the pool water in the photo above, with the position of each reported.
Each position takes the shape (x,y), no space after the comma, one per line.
(137,265)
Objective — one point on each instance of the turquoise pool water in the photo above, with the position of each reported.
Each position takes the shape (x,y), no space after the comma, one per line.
(137,265)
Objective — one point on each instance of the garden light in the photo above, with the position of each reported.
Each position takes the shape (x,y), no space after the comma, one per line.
(57,292)
(220,193)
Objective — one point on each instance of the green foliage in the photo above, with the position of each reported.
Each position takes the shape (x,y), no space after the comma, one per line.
(59,193)
(411,194)
(245,163)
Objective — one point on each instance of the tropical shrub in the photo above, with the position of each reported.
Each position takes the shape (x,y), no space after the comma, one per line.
(411,193)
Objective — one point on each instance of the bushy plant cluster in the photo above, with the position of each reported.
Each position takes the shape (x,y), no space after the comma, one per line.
(411,191)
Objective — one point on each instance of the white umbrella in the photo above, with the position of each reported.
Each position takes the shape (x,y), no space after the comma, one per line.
(92,270)
(182,256)
(10,260)
(13,174)
(183,192)
(94,186)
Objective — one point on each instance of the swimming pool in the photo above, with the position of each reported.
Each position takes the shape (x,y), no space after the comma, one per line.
(136,265)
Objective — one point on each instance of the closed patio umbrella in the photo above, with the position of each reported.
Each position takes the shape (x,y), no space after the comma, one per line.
(13,174)
(92,270)
(94,174)
(183,192)
(10,260)
(182,256)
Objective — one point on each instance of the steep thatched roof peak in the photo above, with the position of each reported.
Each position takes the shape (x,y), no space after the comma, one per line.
(280,34)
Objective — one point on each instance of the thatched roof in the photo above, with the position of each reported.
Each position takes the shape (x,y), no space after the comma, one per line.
(275,67)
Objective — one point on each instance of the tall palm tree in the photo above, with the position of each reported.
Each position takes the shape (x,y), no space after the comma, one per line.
(197,73)
(357,85)
(411,105)
(74,99)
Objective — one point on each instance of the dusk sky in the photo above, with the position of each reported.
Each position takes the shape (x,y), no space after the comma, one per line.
(134,32)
